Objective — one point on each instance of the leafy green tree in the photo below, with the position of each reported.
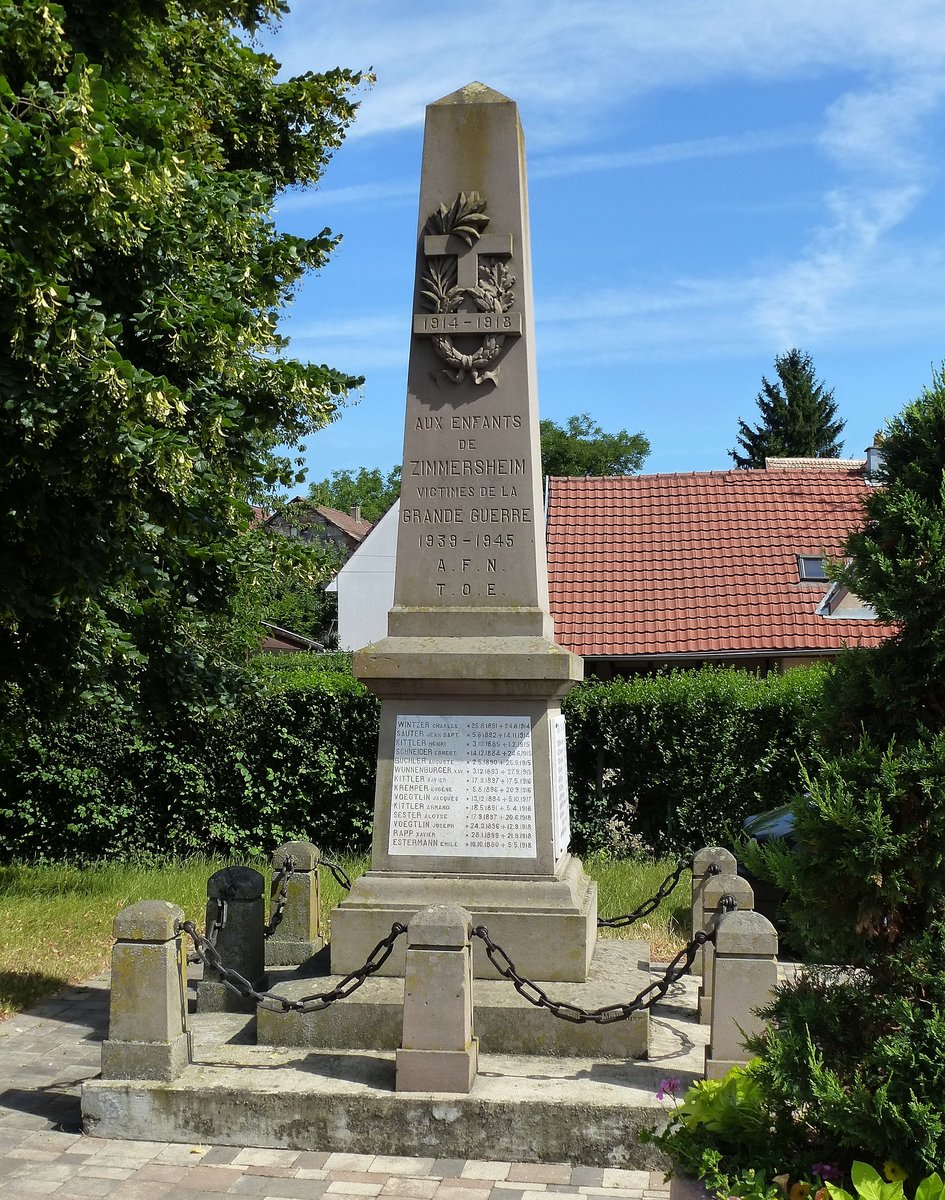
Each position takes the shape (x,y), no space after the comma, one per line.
(142,389)
(581,447)
(853,1063)
(798,417)
(372,490)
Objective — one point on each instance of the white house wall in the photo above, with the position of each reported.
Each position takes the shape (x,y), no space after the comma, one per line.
(365,586)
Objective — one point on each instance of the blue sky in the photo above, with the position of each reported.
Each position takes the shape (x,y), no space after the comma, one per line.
(711,182)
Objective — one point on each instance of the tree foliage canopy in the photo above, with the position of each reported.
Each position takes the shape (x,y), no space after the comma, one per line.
(581,447)
(797,417)
(142,392)
(372,490)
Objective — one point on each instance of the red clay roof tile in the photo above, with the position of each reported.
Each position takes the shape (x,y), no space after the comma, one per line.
(700,563)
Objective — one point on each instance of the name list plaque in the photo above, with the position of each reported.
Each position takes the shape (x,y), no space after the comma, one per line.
(463,786)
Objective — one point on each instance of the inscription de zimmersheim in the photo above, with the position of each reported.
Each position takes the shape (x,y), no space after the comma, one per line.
(462,786)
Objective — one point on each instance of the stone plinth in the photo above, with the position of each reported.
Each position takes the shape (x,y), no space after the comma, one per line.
(236,919)
(745,975)
(147,1021)
(298,935)
(438,1052)
(505,1023)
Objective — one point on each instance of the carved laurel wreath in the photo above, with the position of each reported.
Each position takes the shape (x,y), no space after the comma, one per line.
(466,218)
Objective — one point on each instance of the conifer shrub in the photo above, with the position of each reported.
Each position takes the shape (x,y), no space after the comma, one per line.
(853,1064)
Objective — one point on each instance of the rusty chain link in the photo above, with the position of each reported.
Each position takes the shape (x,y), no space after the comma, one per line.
(277,896)
(272,1001)
(650,995)
(666,888)
(341,875)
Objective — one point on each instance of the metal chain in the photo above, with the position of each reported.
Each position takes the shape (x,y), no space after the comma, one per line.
(650,995)
(666,888)
(340,874)
(277,897)
(272,1000)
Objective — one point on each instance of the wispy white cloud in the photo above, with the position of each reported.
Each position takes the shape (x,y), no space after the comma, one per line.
(723,146)
(371,341)
(568,64)
(362,193)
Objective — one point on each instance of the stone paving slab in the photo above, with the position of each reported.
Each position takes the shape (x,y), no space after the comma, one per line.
(46,1054)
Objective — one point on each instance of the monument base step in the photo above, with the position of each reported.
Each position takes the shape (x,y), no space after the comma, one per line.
(521,1109)
(504,1021)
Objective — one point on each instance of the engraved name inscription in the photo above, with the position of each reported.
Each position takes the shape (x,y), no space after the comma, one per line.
(463,786)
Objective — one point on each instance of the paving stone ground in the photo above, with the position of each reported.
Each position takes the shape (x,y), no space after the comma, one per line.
(45,1055)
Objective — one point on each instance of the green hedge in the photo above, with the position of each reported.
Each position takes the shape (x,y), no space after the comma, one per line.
(661,763)
(675,761)
(295,761)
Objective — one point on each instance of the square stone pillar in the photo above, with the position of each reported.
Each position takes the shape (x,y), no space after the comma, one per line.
(147,1019)
(716,887)
(439,1052)
(711,860)
(745,975)
(298,935)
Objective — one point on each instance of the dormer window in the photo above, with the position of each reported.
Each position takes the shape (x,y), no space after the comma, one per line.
(811,569)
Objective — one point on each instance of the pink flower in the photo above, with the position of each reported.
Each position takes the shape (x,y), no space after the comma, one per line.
(667,1087)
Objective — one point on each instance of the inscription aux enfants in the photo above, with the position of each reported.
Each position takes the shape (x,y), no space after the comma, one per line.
(467,540)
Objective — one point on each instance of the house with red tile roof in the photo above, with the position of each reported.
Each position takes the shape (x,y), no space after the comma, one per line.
(722,567)
(317,522)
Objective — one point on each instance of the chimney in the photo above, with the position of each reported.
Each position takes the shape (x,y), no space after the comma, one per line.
(874,458)
(356,512)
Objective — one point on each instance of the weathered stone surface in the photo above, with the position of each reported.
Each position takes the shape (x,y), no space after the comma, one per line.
(715,888)
(298,935)
(706,862)
(581,1111)
(440,925)
(437,1071)
(147,1026)
(236,910)
(745,974)
(504,1021)
(147,921)
(146,1060)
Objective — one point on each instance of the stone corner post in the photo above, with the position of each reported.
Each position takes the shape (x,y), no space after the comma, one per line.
(298,935)
(439,1052)
(236,921)
(147,1020)
(745,974)
(711,860)
(716,887)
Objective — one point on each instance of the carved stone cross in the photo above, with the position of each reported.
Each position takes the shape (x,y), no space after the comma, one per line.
(494,245)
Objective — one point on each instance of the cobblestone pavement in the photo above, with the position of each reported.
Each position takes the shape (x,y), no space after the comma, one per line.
(45,1055)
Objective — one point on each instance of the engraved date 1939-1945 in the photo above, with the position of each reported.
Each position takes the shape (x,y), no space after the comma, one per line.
(444,541)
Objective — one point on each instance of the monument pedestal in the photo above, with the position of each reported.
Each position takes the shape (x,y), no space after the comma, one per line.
(548,927)
(472,804)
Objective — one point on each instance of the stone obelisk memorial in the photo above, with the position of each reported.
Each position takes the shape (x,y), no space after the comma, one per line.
(472,803)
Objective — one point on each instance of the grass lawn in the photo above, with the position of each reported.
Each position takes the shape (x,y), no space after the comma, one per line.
(57,920)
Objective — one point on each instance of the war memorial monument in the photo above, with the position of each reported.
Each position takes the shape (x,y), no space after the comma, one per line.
(405,1035)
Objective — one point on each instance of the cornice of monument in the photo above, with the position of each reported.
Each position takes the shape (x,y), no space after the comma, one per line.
(474,93)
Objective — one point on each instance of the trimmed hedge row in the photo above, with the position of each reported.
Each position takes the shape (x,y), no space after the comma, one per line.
(660,763)
(671,762)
